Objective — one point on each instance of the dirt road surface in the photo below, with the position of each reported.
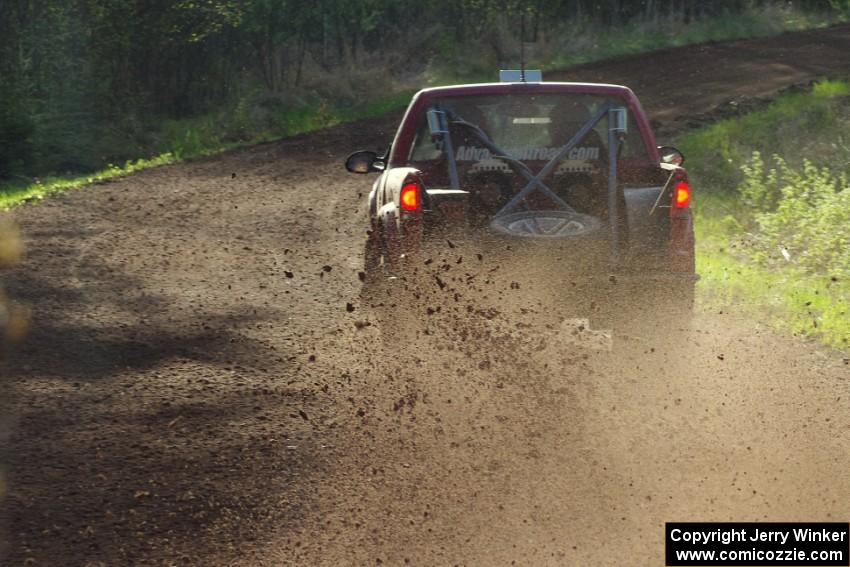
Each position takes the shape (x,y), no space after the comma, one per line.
(196,390)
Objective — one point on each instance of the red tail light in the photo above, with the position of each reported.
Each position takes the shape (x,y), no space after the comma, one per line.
(681,195)
(410,197)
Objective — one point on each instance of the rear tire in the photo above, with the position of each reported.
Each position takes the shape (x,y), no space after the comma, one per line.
(388,300)
(374,279)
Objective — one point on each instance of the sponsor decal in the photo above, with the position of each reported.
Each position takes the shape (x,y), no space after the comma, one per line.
(471,153)
(566,166)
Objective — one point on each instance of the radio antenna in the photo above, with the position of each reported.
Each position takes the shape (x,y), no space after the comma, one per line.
(522,47)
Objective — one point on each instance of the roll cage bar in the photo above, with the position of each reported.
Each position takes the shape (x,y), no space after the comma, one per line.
(438,123)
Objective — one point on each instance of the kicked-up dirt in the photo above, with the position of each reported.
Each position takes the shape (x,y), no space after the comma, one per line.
(202,384)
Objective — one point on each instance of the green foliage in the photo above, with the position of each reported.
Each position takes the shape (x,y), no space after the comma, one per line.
(16,129)
(805,212)
(751,209)
(814,304)
(786,127)
(590,41)
(195,137)
(189,137)
(805,304)
(99,81)
(20,192)
(840,6)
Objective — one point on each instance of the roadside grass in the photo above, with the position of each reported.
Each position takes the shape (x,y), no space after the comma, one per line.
(199,137)
(791,300)
(739,259)
(210,134)
(794,126)
(15,193)
(175,140)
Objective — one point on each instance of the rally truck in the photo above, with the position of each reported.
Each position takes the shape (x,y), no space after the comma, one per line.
(554,185)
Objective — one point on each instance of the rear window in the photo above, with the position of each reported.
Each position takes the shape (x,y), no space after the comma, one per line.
(528,127)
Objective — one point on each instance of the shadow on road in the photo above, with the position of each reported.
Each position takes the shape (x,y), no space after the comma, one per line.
(142,427)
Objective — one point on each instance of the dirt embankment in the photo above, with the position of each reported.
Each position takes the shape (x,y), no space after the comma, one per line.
(195,389)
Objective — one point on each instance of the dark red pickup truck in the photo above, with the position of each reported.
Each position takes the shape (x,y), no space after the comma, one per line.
(565,179)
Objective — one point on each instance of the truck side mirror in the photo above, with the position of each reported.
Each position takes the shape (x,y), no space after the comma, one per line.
(669,154)
(364,161)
